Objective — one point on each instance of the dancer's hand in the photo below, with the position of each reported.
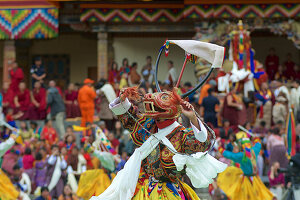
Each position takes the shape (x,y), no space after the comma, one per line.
(188,110)
(131,93)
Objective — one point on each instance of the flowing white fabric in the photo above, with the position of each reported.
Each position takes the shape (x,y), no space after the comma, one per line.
(109,92)
(223,83)
(26,183)
(56,175)
(201,168)
(124,184)
(210,52)
(4,146)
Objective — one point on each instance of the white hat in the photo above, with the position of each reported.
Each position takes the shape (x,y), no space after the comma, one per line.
(210,52)
(281,98)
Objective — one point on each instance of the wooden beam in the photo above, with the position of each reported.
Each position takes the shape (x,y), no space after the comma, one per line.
(197,2)
(128,5)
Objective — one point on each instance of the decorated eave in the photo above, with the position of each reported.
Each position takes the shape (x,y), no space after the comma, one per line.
(28,20)
(187,11)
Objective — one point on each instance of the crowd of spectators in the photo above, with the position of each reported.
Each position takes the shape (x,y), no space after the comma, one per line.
(31,162)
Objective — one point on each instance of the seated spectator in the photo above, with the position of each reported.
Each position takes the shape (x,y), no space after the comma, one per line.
(113,74)
(234,108)
(35,129)
(279,109)
(69,143)
(102,125)
(40,170)
(72,107)
(49,133)
(121,164)
(289,66)
(26,134)
(22,101)
(276,180)
(10,117)
(114,141)
(134,77)
(8,97)
(261,129)
(276,148)
(226,130)
(125,68)
(16,75)
(68,194)
(28,159)
(45,195)
(37,110)
(27,163)
(123,81)
(10,159)
(21,179)
(57,165)
(64,152)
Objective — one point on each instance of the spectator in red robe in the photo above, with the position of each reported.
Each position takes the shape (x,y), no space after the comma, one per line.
(272,63)
(113,74)
(49,134)
(8,97)
(22,101)
(16,76)
(37,110)
(72,107)
(289,67)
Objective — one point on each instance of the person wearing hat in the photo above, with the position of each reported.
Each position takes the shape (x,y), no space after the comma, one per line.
(86,98)
(37,71)
(243,182)
(279,109)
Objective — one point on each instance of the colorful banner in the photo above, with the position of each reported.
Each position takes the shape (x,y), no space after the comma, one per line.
(131,15)
(37,23)
(291,134)
(189,12)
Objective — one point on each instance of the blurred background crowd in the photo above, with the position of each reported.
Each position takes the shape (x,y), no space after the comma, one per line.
(48,118)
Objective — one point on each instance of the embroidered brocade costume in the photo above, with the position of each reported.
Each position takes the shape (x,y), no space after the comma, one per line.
(159,166)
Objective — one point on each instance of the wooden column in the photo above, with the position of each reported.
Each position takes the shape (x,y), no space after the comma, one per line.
(9,55)
(102,55)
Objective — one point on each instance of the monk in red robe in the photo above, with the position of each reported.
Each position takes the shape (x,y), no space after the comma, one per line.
(71,103)
(22,101)
(8,97)
(16,76)
(272,63)
(289,67)
(37,110)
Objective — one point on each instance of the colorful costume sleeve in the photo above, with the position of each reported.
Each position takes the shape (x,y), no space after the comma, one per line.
(195,140)
(106,159)
(235,157)
(125,112)
(257,148)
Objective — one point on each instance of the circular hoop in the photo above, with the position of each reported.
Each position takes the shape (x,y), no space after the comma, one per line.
(187,93)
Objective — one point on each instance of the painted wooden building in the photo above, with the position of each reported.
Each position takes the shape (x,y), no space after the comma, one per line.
(79,39)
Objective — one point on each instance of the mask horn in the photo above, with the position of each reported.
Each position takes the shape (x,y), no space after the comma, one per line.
(199,84)
(156,69)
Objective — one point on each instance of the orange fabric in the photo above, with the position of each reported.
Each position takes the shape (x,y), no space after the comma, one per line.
(203,93)
(87,115)
(86,100)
